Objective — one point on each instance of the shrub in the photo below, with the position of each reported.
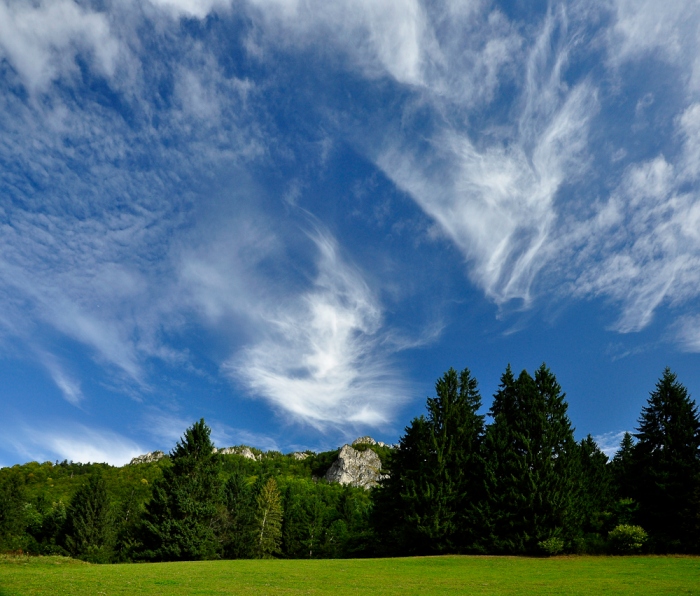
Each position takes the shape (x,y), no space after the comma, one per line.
(552,546)
(625,539)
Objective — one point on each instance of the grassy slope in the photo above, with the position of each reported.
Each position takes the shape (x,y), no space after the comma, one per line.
(434,575)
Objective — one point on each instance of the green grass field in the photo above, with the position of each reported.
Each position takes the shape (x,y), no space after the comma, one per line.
(20,576)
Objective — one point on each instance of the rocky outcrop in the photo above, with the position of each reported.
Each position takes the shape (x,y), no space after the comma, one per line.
(244,451)
(299,455)
(357,468)
(147,458)
(369,441)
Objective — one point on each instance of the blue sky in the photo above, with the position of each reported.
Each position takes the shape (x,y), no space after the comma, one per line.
(290,217)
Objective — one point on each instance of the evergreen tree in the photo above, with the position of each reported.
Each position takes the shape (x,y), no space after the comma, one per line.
(597,488)
(268,519)
(429,502)
(239,519)
(666,463)
(180,521)
(623,467)
(532,465)
(89,531)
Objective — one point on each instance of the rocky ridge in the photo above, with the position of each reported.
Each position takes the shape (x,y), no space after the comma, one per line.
(360,468)
(147,458)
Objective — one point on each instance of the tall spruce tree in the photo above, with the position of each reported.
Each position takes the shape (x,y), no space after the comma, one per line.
(666,464)
(597,488)
(89,530)
(434,482)
(623,467)
(180,520)
(532,465)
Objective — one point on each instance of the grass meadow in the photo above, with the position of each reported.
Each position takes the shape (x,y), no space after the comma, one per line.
(53,576)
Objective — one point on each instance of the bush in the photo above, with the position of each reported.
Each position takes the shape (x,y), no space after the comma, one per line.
(552,546)
(625,539)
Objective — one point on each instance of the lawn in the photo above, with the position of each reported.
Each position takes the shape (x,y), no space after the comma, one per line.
(20,576)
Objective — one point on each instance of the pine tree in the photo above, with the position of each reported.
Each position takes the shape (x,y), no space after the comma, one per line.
(268,519)
(180,520)
(666,463)
(434,481)
(532,465)
(89,532)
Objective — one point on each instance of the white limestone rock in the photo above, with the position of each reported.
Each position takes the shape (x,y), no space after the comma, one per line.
(367,440)
(244,451)
(357,468)
(147,458)
(299,455)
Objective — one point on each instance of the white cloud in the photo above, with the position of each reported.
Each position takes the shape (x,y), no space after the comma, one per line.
(77,443)
(686,332)
(379,35)
(609,443)
(69,386)
(668,30)
(191,8)
(41,40)
(643,248)
(319,358)
(496,202)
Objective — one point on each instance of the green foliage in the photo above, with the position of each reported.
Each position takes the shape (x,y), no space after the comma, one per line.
(12,514)
(627,540)
(238,521)
(324,520)
(179,521)
(551,546)
(429,501)
(666,466)
(532,465)
(89,528)
(268,518)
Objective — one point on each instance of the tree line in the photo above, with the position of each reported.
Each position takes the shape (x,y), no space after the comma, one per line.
(519,484)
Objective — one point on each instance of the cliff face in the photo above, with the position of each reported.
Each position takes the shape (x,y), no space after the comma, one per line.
(357,468)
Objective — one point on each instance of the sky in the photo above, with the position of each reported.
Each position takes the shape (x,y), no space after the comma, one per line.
(290,217)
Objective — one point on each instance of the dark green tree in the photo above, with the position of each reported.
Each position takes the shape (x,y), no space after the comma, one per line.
(597,491)
(623,467)
(306,518)
(181,519)
(12,519)
(666,464)
(532,465)
(239,518)
(429,503)
(89,529)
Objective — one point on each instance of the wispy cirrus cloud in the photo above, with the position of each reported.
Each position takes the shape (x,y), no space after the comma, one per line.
(496,199)
(74,442)
(320,358)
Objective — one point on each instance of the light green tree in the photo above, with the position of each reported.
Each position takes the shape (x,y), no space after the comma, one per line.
(269,520)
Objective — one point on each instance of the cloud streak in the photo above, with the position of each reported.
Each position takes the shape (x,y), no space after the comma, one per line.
(320,359)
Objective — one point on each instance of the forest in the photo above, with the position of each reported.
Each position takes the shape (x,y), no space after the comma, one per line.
(514,481)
